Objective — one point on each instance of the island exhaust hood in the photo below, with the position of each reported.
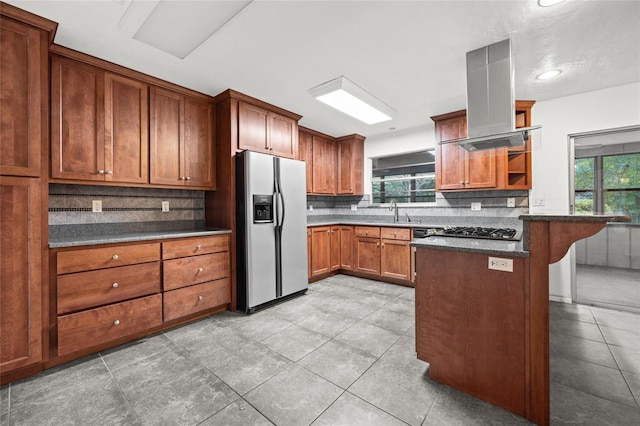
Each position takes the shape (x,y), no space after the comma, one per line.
(490,100)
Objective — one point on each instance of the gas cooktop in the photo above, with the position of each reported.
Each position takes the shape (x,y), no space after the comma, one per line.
(507,234)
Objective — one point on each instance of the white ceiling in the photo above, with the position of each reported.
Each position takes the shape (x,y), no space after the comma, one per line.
(409,54)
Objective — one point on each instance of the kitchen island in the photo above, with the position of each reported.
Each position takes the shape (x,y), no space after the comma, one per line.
(482,310)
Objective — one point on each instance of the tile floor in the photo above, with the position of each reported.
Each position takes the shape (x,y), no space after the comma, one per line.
(343,354)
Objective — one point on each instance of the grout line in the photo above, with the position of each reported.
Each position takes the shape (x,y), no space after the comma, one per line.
(124,395)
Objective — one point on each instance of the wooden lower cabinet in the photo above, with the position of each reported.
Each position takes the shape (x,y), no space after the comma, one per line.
(105,294)
(100,325)
(368,255)
(334,256)
(346,247)
(330,249)
(320,250)
(395,259)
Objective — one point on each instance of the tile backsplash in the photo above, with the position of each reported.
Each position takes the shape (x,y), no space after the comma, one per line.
(124,209)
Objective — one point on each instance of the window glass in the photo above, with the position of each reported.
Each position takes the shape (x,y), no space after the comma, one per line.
(405,178)
(584,184)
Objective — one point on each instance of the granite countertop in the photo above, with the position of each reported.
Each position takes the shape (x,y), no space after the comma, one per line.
(89,240)
(472,245)
(371,223)
(574,218)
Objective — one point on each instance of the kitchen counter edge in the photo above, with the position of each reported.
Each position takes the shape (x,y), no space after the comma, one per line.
(470,245)
(127,238)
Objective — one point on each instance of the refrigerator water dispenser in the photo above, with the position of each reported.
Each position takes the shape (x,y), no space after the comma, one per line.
(262,208)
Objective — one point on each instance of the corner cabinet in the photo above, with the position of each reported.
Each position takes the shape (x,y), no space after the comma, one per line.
(181,143)
(334,166)
(494,169)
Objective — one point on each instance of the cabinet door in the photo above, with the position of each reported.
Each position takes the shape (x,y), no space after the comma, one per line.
(126,130)
(480,170)
(198,143)
(252,128)
(309,248)
(395,259)
(335,248)
(345,168)
(20,273)
(346,247)
(324,165)
(21,99)
(166,153)
(305,153)
(283,136)
(450,158)
(77,121)
(368,255)
(320,250)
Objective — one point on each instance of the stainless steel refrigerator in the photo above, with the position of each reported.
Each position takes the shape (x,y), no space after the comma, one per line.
(272,229)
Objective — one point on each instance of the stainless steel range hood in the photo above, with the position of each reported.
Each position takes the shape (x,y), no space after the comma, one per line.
(490,100)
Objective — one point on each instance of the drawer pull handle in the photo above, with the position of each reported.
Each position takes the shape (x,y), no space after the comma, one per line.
(116,322)
(100,172)
(200,297)
(198,247)
(115,257)
(114,285)
(200,270)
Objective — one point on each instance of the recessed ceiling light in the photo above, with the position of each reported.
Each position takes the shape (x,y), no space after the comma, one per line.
(349,98)
(547,3)
(548,75)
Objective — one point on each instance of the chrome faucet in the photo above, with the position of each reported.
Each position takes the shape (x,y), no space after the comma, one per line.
(394,207)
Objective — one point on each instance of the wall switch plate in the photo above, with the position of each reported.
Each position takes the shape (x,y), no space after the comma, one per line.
(501,264)
(310,208)
(165,206)
(538,201)
(511,202)
(96,206)
(477,206)
(354,207)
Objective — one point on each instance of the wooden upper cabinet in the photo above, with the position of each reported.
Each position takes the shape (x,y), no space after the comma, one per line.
(500,168)
(181,140)
(264,131)
(305,153)
(350,157)
(22,97)
(324,166)
(99,124)
(77,121)
(126,130)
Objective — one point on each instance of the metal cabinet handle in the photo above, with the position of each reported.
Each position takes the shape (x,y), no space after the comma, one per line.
(382,244)
(115,257)
(188,178)
(100,172)
(109,172)
(198,247)
(200,270)
(115,285)
(116,322)
(200,297)
(377,244)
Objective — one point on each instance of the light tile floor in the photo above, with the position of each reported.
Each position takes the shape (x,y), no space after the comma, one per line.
(343,354)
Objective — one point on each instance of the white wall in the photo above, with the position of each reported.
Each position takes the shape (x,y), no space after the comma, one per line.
(561,117)
(598,110)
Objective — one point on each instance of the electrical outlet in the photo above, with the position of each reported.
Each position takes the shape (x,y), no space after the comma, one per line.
(511,202)
(501,264)
(96,206)
(310,208)
(476,206)
(354,207)
(538,201)
(165,206)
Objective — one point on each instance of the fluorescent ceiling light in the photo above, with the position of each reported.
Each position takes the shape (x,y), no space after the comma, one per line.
(347,97)
(179,27)
(548,75)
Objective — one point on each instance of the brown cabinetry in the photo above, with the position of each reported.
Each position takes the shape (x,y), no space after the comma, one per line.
(320,250)
(181,140)
(106,293)
(367,249)
(346,247)
(395,257)
(24,142)
(500,168)
(265,131)
(334,166)
(330,249)
(100,124)
(196,275)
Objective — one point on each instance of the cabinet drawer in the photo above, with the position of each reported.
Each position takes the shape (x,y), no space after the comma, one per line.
(196,298)
(108,257)
(195,246)
(396,234)
(100,325)
(367,231)
(84,290)
(195,269)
